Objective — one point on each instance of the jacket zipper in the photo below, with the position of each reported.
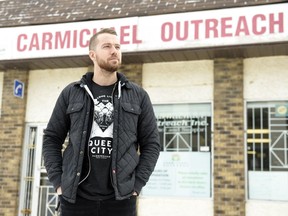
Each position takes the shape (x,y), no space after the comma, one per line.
(112,169)
(89,160)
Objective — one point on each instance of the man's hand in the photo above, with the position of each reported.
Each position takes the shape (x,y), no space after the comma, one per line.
(59,191)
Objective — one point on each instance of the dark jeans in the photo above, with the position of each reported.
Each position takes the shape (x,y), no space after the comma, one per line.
(111,207)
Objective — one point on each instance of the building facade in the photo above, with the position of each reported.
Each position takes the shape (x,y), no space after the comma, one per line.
(216,72)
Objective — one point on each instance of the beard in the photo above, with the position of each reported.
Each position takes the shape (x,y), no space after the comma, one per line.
(106,65)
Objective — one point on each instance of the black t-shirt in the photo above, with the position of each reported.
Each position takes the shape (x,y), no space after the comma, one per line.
(98,186)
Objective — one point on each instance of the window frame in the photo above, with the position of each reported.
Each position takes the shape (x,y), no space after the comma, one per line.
(259,103)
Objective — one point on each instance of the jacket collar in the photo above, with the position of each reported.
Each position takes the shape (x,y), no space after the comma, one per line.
(85,80)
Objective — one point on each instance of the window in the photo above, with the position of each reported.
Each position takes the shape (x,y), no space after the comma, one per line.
(184,127)
(184,166)
(267,150)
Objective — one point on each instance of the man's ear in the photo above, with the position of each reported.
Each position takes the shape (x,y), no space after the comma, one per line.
(92,55)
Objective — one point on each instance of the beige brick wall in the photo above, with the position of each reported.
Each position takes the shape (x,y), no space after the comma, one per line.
(12,128)
(229,168)
(133,72)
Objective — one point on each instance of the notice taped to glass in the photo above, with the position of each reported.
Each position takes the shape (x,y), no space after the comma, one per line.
(185,174)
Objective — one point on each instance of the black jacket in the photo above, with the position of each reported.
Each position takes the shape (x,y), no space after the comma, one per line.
(135,138)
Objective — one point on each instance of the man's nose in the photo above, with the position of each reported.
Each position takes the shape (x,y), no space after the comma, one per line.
(114,50)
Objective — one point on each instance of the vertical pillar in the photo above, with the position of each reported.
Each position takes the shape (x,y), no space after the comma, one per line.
(229,166)
(133,72)
(12,122)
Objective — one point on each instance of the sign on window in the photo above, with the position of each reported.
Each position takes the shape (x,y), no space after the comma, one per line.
(185,174)
(184,166)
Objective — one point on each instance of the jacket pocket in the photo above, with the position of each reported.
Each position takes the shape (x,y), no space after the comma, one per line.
(130,117)
(131,108)
(74,111)
(75,107)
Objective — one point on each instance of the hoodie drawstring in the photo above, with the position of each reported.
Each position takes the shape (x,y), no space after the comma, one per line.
(88,91)
(119,89)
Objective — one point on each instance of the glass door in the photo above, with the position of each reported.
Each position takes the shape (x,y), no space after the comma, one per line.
(37,195)
(267,150)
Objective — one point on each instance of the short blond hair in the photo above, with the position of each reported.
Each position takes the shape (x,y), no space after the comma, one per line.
(93,39)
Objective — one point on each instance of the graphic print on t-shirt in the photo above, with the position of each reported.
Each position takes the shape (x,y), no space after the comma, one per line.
(103,114)
(100,143)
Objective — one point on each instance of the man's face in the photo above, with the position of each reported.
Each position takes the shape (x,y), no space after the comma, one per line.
(107,53)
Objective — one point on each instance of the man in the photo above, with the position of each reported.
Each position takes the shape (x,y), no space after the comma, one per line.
(113,138)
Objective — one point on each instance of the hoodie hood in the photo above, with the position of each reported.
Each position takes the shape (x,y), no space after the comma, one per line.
(87,79)
(86,82)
